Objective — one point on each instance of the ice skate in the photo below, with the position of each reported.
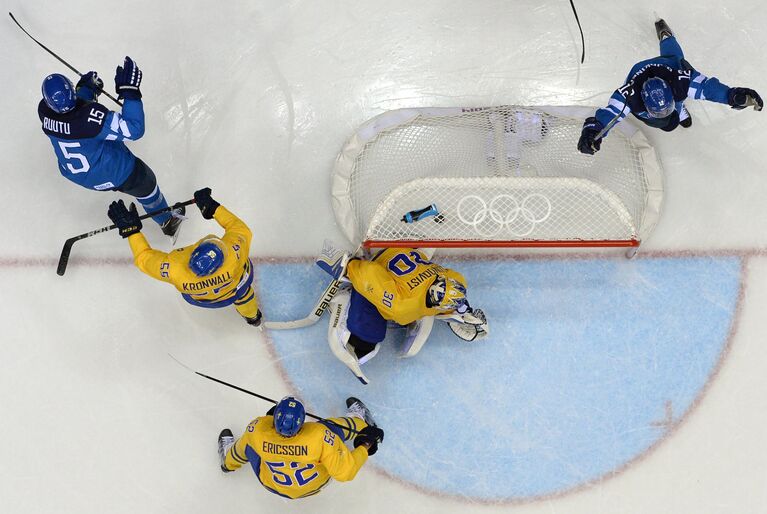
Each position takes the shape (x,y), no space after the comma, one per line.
(171,227)
(662,29)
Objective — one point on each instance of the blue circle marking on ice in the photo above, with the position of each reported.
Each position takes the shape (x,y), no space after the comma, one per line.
(588,364)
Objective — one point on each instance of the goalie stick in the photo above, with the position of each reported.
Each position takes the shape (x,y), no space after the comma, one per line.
(67,249)
(329,260)
(314,316)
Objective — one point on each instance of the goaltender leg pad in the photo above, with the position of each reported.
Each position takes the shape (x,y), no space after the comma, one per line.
(416,335)
(339,334)
(332,260)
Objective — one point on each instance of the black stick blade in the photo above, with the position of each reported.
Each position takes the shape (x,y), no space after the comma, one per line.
(64,258)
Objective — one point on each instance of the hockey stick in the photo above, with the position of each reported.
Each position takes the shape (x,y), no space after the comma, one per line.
(62,61)
(64,258)
(261,397)
(330,261)
(583,42)
(314,316)
(610,125)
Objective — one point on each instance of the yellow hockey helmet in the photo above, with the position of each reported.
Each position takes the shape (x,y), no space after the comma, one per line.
(447,294)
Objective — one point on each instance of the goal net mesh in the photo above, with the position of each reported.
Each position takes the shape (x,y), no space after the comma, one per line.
(497,176)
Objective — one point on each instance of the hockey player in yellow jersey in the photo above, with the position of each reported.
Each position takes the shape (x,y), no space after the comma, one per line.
(295,459)
(400,285)
(213,273)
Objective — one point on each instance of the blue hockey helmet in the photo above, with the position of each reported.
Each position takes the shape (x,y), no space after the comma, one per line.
(289,416)
(59,93)
(658,98)
(207,257)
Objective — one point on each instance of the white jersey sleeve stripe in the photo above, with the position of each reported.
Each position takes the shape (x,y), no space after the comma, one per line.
(114,126)
(124,128)
(616,104)
(696,87)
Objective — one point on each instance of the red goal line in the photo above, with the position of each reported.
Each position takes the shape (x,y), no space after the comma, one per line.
(425,243)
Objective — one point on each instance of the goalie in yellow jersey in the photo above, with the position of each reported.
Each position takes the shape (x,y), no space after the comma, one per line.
(403,286)
(214,272)
(294,459)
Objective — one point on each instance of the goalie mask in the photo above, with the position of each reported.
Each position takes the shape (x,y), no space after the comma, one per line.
(447,294)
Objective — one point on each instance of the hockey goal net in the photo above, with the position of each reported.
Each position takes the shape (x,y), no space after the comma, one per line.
(491,177)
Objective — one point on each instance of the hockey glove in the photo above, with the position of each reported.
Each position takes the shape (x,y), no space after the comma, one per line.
(128,80)
(127,221)
(472,327)
(371,435)
(206,204)
(741,97)
(89,86)
(588,143)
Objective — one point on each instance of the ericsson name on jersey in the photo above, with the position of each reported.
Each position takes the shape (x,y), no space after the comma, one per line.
(302,465)
(397,281)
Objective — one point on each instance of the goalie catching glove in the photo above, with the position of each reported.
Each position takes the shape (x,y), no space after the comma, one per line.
(470,326)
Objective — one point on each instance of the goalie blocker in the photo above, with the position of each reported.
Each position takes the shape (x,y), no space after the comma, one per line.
(399,285)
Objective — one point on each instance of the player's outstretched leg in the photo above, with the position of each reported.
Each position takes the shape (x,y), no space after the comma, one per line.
(142,184)
(225,441)
(247,306)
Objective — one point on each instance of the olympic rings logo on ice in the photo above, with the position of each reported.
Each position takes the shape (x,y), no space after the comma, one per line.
(504,212)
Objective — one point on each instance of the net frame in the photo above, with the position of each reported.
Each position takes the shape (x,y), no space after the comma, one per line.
(630,210)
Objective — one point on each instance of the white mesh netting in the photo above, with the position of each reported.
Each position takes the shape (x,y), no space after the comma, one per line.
(498,174)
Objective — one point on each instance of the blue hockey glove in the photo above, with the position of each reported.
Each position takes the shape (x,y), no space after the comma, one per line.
(371,435)
(128,80)
(89,86)
(127,221)
(741,97)
(588,143)
(206,204)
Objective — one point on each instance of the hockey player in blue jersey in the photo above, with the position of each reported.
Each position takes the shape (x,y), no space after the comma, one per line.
(88,138)
(655,91)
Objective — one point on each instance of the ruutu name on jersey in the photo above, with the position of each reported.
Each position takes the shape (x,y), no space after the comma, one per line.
(61,127)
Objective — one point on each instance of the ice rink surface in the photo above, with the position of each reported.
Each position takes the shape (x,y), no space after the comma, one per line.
(608,386)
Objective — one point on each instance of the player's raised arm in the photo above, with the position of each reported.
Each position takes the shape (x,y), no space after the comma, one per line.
(236,229)
(150,261)
(128,125)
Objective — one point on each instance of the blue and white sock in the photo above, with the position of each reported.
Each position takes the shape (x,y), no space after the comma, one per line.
(155,201)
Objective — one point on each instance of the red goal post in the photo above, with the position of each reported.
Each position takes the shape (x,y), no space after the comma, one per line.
(505,176)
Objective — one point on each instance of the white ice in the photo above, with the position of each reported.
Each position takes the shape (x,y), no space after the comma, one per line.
(254,99)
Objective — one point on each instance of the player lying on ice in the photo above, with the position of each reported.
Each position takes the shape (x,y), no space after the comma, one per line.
(655,91)
(214,272)
(295,459)
(403,286)
(89,139)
